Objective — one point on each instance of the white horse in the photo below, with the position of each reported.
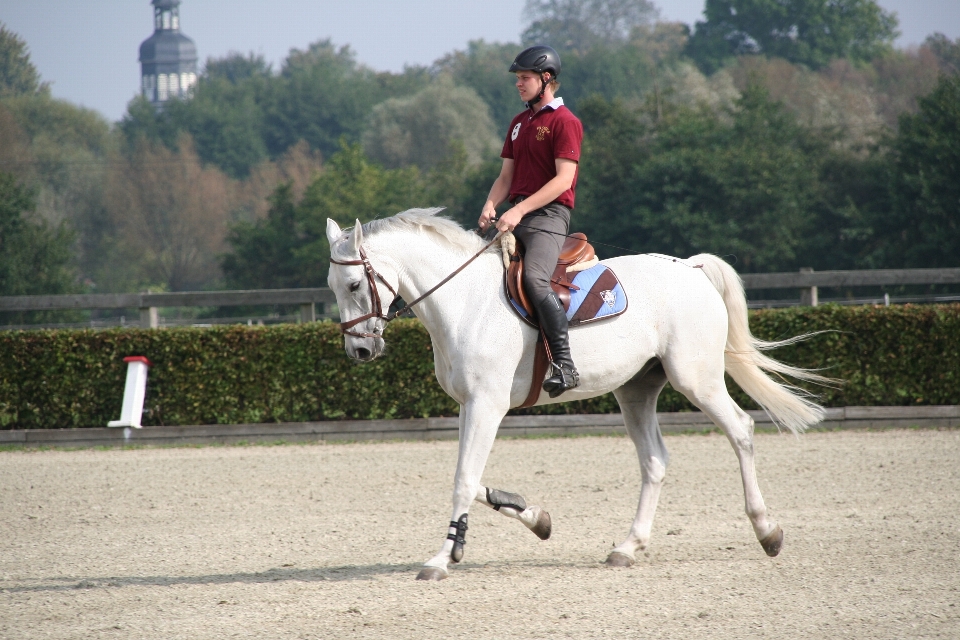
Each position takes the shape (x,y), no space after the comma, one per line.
(686,323)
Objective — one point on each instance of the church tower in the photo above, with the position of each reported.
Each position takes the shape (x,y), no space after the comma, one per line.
(168,59)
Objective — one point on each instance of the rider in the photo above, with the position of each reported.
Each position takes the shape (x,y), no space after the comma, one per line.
(539,177)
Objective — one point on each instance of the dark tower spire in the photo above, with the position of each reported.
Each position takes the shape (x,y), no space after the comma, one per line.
(168,59)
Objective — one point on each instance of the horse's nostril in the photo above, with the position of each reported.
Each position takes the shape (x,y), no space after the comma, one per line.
(363,353)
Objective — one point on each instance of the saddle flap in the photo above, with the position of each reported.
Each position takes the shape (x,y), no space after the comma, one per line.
(575,250)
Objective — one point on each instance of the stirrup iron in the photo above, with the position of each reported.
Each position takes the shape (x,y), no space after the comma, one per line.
(565,377)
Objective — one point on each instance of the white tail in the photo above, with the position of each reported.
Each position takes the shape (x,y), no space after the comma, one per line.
(787,405)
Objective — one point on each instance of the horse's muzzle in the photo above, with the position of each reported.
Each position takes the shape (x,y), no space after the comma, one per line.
(369,350)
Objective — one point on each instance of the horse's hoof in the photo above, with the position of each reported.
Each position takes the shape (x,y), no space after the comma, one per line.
(617,559)
(431,573)
(773,542)
(544,527)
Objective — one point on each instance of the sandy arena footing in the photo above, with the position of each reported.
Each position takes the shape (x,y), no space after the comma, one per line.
(324,541)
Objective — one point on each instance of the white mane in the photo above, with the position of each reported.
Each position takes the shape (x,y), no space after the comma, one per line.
(428,220)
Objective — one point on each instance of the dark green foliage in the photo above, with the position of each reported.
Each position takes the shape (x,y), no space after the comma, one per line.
(34,257)
(226,120)
(289,248)
(18,76)
(921,228)
(809,32)
(742,183)
(241,113)
(223,375)
(887,356)
(321,96)
(905,355)
(265,254)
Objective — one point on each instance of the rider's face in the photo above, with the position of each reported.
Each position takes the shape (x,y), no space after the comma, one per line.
(528,84)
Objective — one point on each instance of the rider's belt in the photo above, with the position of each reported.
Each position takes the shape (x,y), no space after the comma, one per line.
(518,199)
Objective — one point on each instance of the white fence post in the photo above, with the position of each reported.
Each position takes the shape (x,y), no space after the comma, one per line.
(134,393)
(308,312)
(808,295)
(149,317)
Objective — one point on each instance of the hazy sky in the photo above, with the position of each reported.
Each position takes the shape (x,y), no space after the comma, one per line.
(88,49)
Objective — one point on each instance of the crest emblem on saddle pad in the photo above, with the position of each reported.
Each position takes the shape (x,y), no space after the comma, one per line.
(609,297)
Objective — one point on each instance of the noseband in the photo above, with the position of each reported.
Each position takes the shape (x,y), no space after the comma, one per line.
(373,275)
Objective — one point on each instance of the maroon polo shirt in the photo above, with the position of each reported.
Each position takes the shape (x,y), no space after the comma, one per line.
(534,142)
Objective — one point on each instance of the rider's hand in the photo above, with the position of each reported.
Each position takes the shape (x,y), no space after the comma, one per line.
(510,219)
(487,217)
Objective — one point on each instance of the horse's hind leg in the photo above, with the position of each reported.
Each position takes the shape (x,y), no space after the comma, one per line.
(710,394)
(638,403)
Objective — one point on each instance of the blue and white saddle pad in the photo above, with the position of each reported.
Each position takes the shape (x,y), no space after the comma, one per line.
(599,295)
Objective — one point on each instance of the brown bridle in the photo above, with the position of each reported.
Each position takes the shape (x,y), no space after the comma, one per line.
(372,275)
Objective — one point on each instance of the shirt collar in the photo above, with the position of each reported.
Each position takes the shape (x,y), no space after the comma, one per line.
(553,105)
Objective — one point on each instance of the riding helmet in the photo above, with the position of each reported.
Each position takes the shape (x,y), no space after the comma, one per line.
(538,58)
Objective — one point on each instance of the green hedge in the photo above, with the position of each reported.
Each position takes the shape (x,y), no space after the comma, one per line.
(899,355)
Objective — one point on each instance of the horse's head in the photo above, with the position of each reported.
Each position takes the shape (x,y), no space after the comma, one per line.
(364,292)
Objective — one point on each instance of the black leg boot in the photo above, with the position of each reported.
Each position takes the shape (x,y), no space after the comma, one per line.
(553,321)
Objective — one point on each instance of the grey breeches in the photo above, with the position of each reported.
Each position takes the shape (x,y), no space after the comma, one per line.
(542,249)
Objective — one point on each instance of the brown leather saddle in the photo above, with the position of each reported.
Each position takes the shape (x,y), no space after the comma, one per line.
(576,251)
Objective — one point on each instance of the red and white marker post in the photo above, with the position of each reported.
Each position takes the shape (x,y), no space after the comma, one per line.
(134,393)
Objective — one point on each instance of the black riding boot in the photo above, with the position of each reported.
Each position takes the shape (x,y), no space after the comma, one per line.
(553,321)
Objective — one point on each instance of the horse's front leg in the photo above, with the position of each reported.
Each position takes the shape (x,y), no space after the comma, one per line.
(479,421)
(513,505)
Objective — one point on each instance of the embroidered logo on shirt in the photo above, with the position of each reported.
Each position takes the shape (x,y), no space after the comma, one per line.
(516,132)
(541,132)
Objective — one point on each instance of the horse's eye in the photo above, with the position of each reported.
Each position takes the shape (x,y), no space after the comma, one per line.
(354,287)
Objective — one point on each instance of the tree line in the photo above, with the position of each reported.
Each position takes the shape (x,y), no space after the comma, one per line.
(779,134)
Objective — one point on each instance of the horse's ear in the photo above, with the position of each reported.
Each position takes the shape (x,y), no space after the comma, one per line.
(333,231)
(357,236)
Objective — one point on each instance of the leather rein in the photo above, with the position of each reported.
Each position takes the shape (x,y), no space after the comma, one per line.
(373,275)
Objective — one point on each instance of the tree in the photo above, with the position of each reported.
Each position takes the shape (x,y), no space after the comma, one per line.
(580,24)
(742,183)
(321,96)
(483,67)
(236,67)
(422,129)
(171,214)
(265,254)
(922,226)
(62,154)
(289,248)
(809,32)
(225,120)
(947,52)
(18,76)
(34,257)
(241,114)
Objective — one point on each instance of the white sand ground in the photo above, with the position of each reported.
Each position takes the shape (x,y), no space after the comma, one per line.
(324,541)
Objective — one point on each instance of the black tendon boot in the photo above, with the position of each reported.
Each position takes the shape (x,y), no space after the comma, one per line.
(553,321)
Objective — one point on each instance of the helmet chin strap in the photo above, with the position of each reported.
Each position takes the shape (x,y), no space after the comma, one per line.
(543,88)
